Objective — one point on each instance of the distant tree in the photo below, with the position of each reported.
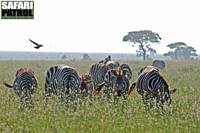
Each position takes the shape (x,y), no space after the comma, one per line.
(86,57)
(64,57)
(180,50)
(143,39)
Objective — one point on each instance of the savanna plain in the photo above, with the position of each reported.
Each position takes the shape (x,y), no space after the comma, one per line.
(97,115)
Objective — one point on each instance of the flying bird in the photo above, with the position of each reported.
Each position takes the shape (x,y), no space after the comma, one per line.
(37,45)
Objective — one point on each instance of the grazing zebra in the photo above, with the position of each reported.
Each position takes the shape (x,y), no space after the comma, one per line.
(159,64)
(63,81)
(104,74)
(112,77)
(151,85)
(25,84)
(119,85)
(101,73)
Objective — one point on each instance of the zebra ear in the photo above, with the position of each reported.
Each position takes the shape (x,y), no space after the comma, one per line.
(172,91)
(18,72)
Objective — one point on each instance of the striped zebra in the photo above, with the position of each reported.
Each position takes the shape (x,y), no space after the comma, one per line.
(118,84)
(105,74)
(112,77)
(151,85)
(159,64)
(64,81)
(101,74)
(25,84)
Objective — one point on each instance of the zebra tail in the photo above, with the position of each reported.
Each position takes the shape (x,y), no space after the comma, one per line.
(131,88)
(7,85)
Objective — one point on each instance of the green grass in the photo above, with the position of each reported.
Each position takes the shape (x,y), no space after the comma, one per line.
(97,116)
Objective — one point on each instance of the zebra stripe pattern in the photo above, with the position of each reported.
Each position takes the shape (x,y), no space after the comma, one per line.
(113,78)
(151,84)
(98,72)
(61,80)
(25,83)
(126,70)
(120,83)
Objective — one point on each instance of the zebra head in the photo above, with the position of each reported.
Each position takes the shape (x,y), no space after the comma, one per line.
(165,96)
(120,82)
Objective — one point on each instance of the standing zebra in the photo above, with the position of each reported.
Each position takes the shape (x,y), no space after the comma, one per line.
(105,73)
(151,85)
(113,77)
(118,85)
(24,85)
(64,81)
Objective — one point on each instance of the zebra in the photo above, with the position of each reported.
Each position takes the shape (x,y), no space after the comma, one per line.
(24,85)
(113,77)
(159,64)
(119,85)
(64,81)
(104,73)
(151,85)
(101,73)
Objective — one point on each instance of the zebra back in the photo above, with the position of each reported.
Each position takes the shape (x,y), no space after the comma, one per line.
(151,81)
(98,72)
(25,82)
(62,79)
(112,64)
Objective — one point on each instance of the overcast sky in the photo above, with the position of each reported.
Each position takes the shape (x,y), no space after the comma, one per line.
(99,26)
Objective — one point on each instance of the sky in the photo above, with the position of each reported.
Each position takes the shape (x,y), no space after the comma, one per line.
(99,25)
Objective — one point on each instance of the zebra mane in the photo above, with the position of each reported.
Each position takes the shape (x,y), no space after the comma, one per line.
(24,70)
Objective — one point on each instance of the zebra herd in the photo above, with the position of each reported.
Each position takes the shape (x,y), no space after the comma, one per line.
(108,76)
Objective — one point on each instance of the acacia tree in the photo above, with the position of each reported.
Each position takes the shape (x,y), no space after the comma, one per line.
(143,40)
(179,50)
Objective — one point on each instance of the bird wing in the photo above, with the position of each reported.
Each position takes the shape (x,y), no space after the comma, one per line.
(33,42)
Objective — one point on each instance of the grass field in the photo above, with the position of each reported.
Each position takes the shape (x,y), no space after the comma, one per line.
(97,116)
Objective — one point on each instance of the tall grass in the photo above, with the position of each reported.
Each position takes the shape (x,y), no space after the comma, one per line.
(97,115)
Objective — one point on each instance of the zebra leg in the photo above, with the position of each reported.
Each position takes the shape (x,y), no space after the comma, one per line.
(46,94)
(145,98)
(159,104)
(107,93)
(124,106)
(26,100)
(116,99)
